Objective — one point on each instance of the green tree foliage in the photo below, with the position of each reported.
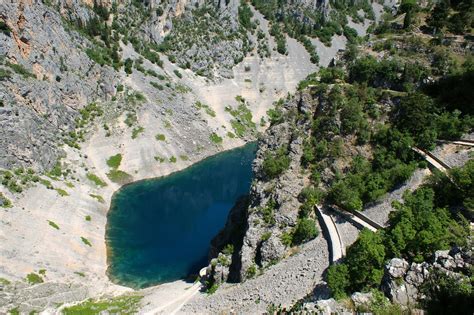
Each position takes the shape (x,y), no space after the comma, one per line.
(338,280)
(445,294)
(276,163)
(245,16)
(305,230)
(416,115)
(408,7)
(418,228)
(439,16)
(365,260)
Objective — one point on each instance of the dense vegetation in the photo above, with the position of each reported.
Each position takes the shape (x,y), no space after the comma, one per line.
(429,99)
(422,224)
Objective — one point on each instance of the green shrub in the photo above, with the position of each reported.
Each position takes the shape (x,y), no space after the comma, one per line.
(34,278)
(124,304)
(338,280)
(98,198)
(86,241)
(88,218)
(62,192)
(19,69)
(276,163)
(251,271)
(96,180)
(228,249)
(177,73)
(160,137)
(53,224)
(118,176)
(305,230)
(137,131)
(114,161)
(215,138)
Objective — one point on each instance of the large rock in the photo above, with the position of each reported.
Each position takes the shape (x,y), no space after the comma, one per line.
(402,282)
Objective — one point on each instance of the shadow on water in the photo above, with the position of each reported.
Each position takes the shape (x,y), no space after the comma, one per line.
(159,230)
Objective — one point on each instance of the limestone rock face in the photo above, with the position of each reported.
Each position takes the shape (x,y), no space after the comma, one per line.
(361,299)
(402,282)
(58,79)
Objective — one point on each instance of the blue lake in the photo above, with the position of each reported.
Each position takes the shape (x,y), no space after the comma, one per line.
(159,230)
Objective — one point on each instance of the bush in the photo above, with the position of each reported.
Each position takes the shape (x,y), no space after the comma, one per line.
(160,137)
(114,161)
(86,241)
(34,278)
(276,163)
(252,271)
(305,230)
(215,138)
(96,180)
(53,224)
(118,176)
(178,74)
(338,280)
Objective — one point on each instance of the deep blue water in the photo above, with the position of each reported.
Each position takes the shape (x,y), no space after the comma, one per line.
(159,230)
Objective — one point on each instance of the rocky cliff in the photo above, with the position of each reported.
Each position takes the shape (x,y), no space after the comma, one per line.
(46,79)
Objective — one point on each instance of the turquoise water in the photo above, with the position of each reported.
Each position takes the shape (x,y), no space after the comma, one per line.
(159,230)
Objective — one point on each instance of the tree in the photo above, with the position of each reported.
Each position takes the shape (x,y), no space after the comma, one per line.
(439,16)
(365,260)
(408,7)
(338,280)
(416,115)
(276,163)
(305,230)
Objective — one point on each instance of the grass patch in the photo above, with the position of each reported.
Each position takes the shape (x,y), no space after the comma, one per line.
(125,304)
(80,274)
(242,124)
(230,135)
(98,198)
(114,161)
(19,69)
(206,108)
(118,176)
(173,159)
(4,201)
(86,241)
(160,137)
(184,157)
(160,159)
(53,224)
(62,192)
(96,180)
(214,137)
(4,281)
(157,86)
(178,74)
(34,278)
(46,183)
(137,131)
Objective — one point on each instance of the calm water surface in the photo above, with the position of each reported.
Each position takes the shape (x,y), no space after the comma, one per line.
(159,230)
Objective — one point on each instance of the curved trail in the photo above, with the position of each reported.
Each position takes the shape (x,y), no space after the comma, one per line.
(433,160)
(468,143)
(358,219)
(337,248)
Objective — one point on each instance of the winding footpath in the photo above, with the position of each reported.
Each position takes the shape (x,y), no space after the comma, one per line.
(432,160)
(358,219)
(336,246)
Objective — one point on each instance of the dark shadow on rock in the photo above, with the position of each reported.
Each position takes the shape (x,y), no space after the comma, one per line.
(232,233)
